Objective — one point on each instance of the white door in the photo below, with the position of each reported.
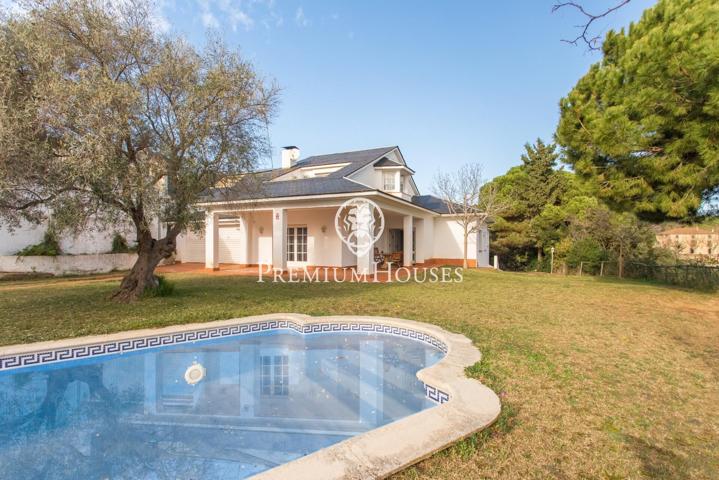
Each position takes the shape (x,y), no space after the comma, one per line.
(297,245)
(230,244)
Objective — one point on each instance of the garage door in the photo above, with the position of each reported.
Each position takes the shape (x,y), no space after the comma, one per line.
(230,244)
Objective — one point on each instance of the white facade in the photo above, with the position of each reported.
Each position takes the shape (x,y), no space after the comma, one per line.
(297,231)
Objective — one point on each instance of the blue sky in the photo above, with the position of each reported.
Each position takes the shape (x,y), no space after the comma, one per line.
(449,82)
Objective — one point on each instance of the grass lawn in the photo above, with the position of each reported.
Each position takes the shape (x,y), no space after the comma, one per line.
(598,379)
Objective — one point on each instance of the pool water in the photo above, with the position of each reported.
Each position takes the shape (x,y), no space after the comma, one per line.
(261,400)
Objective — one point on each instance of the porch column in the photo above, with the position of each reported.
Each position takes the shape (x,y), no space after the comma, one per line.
(483,247)
(245,234)
(279,238)
(212,240)
(421,248)
(408,245)
(365,252)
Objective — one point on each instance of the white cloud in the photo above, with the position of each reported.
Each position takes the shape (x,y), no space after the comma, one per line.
(158,18)
(215,12)
(300,18)
(209,20)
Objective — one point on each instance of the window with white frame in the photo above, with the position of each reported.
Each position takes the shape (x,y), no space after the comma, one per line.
(275,374)
(296,244)
(390,181)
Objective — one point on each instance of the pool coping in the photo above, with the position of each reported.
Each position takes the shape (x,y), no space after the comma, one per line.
(469,407)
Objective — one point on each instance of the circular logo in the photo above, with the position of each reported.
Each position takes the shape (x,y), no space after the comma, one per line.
(359,222)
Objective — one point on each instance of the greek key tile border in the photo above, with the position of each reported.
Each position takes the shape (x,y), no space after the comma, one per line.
(10,362)
(435,394)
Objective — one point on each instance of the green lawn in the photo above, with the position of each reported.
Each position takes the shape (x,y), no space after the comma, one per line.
(598,379)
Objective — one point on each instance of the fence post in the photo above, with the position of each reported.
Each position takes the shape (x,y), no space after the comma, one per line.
(581,266)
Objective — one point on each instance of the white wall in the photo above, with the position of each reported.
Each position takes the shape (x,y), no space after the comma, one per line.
(449,238)
(93,239)
(68,264)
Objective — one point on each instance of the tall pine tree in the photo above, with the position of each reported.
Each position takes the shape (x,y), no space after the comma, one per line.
(642,126)
(530,187)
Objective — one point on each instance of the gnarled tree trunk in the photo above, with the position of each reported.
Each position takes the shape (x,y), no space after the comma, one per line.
(150,253)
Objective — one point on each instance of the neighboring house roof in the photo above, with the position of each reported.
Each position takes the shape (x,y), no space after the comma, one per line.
(689,231)
(265,184)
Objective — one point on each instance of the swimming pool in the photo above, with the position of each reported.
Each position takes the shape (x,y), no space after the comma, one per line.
(225,407)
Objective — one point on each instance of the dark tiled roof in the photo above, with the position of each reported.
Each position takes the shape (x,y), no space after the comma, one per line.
(290,188)
(431,202)
(356,160)
(261,186)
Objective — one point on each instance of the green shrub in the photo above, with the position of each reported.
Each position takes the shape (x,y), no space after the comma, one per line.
(119,244)
(164,288)
(585,250)
(50,246)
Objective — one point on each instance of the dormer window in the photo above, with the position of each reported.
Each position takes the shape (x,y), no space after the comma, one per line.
(390,181)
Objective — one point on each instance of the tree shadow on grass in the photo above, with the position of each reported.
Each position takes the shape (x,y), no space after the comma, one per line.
(657,462)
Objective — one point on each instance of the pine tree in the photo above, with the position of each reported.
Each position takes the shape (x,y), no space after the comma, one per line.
(642,126)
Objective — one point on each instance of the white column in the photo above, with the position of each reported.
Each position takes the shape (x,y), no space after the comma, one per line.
(212,240)
(365,250)
(407,234)
(245,233)
(483,247)
(279,238)
(428,235)
(424,239)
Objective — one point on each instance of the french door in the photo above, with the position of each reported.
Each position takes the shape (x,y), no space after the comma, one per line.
(296,244)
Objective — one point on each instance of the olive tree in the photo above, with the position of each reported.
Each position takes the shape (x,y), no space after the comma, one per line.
(102,119)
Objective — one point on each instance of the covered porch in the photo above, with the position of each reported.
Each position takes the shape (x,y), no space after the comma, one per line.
(302,234)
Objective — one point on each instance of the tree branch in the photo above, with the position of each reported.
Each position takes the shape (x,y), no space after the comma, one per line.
(592,42)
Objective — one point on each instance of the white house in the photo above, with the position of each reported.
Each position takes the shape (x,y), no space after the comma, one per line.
(287,220)
(285,217)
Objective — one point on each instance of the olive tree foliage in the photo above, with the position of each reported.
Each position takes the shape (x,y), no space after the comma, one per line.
(102,119)
(469,199)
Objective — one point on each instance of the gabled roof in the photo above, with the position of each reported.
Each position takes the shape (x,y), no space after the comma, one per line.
(356,160)
(265,184)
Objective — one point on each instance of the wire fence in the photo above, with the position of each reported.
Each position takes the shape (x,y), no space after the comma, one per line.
(700,277)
